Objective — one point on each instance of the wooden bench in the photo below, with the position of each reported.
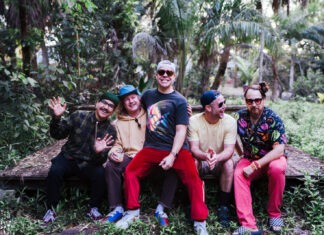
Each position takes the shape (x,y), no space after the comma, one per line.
(31,172)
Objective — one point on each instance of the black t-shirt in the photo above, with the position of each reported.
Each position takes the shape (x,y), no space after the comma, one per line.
(164,112)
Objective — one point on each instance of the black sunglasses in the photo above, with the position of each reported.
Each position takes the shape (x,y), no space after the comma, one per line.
(221,104)
(161,72)
(250,101)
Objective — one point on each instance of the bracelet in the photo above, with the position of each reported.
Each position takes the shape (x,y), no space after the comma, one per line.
(254,167)
(257,164)
(174,154)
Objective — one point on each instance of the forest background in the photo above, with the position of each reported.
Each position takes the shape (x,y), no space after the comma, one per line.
(79,48)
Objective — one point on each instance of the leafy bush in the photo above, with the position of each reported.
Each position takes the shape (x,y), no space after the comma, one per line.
(308,86)
(304,125)
(306,199)
(23,122)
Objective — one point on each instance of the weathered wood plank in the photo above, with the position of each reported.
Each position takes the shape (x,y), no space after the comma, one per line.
(32,170)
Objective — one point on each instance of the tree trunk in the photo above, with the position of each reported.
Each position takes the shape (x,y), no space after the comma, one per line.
(205,74)
(24,36)
(207,60)
(275,6)
(292,73)
(222,68)
(182,67)
(235,77)
(44,54)
(275,85)
(261,56)
(258,5)
(45,60)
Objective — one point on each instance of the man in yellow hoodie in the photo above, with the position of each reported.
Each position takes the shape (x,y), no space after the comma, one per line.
(130,126)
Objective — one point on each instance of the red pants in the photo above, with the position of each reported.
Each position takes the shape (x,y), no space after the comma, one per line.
(275,171)
(184,165)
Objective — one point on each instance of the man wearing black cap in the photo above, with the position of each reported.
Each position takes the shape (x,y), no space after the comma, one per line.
(212,137)
(90,136)
(130,126)
(165,146)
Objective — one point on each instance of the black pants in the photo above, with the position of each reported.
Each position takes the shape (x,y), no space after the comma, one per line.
(115,177)
(62,167)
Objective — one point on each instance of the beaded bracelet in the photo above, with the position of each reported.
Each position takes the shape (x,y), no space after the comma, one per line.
(257,164)
(254,167)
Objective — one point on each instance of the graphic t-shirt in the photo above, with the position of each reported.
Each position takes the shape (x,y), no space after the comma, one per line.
(259,139)
(164,112)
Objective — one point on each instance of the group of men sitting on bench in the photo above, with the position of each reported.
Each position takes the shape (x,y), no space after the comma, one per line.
(155,131)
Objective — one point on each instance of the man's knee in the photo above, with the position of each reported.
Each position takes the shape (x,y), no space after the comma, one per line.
(228,167)
(56,170)
(277,167)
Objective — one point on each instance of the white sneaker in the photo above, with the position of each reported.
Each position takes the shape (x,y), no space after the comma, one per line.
(200,228)
(49,217)
(94,213)
(128,218)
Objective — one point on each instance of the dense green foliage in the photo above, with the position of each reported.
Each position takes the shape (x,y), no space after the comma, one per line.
(304,125)
(87,46)
(22,215)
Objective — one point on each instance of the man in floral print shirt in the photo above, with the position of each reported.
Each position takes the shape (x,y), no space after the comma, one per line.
(263,138)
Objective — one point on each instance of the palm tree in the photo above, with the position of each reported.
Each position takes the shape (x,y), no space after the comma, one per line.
(294,28)
(173,25)
(171,32)
(231,23)
(31,14)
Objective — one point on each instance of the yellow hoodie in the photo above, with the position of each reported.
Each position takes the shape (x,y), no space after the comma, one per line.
(130,137)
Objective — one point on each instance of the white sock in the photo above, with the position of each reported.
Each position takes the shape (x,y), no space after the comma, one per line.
(159,208)
(134,212)
(200,222)
(119,209)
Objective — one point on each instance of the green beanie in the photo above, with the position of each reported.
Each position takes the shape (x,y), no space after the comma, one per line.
(110,96)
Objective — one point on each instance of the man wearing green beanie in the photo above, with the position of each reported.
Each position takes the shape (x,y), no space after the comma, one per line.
(89,135)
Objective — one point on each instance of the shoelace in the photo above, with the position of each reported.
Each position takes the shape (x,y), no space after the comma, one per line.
(111,214)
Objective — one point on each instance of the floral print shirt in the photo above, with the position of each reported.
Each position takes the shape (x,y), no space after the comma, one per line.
(260,138)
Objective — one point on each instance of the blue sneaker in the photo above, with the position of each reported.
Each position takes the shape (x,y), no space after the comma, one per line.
(162,217)
(113,216)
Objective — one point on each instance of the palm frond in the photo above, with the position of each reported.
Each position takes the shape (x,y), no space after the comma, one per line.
(314,33)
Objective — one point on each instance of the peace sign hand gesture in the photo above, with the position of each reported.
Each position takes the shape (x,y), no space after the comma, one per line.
(55,105)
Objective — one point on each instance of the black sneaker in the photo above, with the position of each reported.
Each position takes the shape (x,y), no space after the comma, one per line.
(223,216)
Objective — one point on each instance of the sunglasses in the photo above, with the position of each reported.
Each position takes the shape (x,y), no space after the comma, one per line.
(108,104)
(161,72)
(256,101)
(220,105)
(138,124)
